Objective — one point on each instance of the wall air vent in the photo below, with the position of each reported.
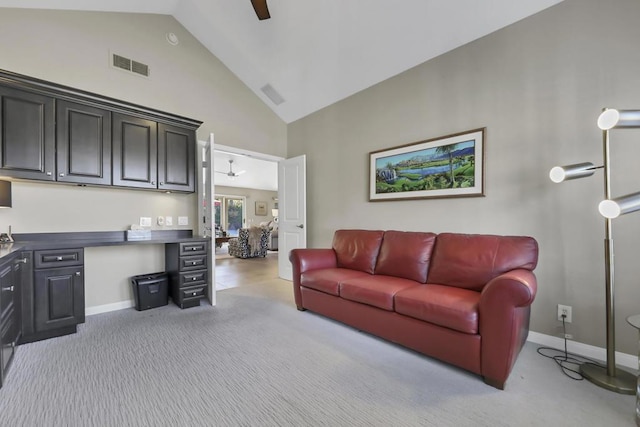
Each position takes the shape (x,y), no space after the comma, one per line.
(271,93)
(123,63)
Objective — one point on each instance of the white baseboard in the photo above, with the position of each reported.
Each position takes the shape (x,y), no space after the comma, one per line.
(97,309)
(590,351)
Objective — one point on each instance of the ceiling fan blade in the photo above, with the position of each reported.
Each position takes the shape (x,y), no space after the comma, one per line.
(239,173)
(260,6)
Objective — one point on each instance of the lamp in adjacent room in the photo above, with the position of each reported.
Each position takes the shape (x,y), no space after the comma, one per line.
(5,194)
(610,377)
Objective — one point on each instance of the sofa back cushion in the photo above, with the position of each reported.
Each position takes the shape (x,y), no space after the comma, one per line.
(357,249)
(405,254)
(472,260)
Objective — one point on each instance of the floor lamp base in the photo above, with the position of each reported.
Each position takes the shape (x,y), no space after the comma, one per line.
(624,382)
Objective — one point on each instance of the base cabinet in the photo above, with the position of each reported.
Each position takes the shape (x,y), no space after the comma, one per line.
(10,309)
(56,297)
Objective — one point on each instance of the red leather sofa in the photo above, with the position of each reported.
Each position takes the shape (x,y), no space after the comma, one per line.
(461,298)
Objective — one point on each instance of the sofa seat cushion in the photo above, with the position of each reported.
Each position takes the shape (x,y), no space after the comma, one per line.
(377,291)
(448,306)
(328,280)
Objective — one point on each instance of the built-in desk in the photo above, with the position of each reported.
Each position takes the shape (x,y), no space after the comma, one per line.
(52,277)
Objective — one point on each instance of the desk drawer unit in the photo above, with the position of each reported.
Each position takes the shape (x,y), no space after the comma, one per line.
(188,266)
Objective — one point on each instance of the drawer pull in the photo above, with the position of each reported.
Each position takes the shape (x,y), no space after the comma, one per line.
(59,258)
(194,278)
(195,293)
(8,288)
(77,273)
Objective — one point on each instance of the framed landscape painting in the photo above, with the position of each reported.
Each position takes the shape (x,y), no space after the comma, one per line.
(447,166)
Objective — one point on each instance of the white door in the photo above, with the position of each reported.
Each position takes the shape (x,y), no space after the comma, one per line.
(206,191)
(292,211)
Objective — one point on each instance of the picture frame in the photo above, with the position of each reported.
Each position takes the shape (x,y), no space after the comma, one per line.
(261,208)
(442,167)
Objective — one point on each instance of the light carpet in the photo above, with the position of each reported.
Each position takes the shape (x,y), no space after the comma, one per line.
(254,360)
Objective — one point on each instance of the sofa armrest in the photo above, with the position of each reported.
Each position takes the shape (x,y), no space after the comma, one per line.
(306,259)
(505,305)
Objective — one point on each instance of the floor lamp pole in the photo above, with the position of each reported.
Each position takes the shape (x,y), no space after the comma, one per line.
(611,377)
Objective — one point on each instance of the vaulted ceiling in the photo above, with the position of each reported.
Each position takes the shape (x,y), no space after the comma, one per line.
(314,53)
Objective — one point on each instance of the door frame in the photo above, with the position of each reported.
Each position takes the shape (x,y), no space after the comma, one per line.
(241,152)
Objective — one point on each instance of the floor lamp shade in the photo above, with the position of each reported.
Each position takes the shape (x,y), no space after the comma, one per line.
(564,173)
(620,206)
(612,118)
(5,194)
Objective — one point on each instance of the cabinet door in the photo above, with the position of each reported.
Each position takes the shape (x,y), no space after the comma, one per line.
(176,158)
(9,312)
(135,152)
(27,136)
(58,297)
(83,144)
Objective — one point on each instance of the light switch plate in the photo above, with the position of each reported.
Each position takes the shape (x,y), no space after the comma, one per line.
(145,221)
(160,220)
(183,220)
(168,221)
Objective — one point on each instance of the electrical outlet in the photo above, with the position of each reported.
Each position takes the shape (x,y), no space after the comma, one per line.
(160,221)
(566,311)
(183,220)
(145,221)
(168,221)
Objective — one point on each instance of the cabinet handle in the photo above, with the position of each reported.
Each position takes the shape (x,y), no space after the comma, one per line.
(77,273)
(162,183)
(8,288)
(49,174)
(195,293)
(153,183)
(22,260)
(61,174)
(59,258)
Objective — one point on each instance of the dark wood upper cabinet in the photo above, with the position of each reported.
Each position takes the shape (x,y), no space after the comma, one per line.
(176,158)
(83,144)
(57,133)
(135,152)
(27,135)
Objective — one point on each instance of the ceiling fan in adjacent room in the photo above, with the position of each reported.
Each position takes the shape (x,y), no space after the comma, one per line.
(231,174)
(260,6)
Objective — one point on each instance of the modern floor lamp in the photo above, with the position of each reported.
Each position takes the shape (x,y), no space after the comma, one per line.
(611,377)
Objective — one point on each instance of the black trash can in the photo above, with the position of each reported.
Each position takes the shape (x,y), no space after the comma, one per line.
(150,290)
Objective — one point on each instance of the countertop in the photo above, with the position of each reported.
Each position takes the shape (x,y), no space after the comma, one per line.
(39,241)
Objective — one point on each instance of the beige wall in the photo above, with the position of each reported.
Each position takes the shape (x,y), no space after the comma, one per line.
(538,86)
(72,48)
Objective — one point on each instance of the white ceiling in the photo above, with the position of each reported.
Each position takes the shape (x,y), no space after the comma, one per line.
(259,173)
(315,53)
